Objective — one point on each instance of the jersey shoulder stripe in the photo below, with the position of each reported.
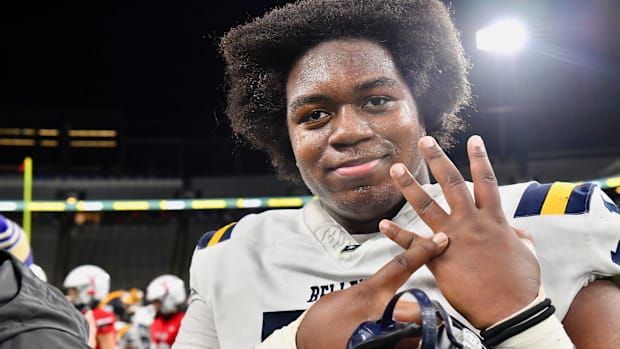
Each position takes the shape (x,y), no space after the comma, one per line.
(216,236)
(556,198)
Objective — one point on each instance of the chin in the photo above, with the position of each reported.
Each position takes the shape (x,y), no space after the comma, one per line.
(368,201)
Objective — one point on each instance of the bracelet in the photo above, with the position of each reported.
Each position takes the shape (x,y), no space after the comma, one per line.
(519,323)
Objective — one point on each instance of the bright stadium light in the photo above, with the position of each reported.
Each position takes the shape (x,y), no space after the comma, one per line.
(504,36)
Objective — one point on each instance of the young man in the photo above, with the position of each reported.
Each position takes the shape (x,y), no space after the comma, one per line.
(341,94)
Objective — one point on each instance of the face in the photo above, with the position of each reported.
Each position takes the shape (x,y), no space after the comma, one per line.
(72,295)
(157,305)
(350,116)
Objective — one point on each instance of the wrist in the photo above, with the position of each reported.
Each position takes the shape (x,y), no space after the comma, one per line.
(518,323)
(548,334)
(533,327)
(540,297)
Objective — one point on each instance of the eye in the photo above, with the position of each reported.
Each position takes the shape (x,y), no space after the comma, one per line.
(315,116)
(377,103)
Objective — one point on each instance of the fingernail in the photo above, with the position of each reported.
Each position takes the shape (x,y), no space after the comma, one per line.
(440,238)
(477,142)
(398,170)
(384,225)
(427,142)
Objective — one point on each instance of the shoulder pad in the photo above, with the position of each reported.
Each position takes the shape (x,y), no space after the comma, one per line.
(214,236)
(556,198)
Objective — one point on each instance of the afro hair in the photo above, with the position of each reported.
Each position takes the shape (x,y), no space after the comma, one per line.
(420,35)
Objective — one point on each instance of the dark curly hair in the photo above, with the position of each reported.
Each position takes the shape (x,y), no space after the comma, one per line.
(420,35)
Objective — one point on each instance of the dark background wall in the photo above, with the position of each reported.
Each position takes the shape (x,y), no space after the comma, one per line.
(151,71)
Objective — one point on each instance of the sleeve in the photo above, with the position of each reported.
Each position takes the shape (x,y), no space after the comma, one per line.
(104,320)
(604,236)
(197,327)
(576,229)
(283,338)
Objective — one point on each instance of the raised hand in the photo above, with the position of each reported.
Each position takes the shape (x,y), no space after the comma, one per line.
(486,273)
(330,321)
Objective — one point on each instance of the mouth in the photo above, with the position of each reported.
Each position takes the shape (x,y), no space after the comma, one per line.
(357,168)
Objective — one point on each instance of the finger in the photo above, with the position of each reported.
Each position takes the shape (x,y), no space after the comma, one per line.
(486,192)
(404,238)
(394,274)
(447,175)
(429,211)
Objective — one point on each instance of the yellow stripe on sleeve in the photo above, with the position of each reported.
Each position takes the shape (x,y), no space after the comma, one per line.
(218,234)
(557,198)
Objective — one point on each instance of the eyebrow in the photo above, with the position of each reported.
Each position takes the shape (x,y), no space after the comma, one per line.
(378,82)
(318,98)
(309,99)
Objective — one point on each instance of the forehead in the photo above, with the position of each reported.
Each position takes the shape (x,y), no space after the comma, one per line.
(345,60)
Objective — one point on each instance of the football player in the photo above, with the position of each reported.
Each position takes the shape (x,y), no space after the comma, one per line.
(358,99)
(168,294)
(86,286)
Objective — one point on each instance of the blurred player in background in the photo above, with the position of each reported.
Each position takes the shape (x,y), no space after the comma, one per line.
(86,286)
(133,318)
(168,294)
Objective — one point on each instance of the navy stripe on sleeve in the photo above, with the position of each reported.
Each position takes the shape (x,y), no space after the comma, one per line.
(579,200)
(532,200)
(277,319)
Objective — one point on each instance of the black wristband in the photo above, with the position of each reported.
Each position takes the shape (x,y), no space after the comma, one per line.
(523,321)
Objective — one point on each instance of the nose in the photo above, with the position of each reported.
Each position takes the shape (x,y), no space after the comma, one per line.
(349,127)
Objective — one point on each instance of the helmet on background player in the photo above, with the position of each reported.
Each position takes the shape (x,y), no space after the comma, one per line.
(169,290)
(90,282)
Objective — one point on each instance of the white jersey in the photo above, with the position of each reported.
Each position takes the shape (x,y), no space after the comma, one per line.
(253,277)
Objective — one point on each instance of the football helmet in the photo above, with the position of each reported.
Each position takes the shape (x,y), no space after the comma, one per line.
(438,329)
(169,290)
(91,282)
